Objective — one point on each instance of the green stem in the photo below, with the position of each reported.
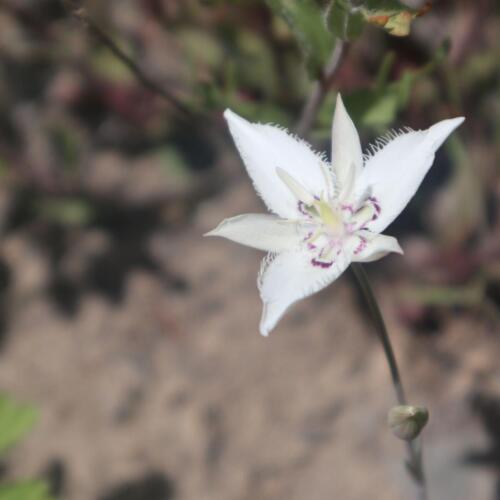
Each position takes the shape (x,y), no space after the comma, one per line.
(414,462)
(320,90)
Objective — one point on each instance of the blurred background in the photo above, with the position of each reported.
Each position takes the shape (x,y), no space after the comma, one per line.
(130,362)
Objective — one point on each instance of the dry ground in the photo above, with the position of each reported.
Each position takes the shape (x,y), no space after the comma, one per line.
(168,392)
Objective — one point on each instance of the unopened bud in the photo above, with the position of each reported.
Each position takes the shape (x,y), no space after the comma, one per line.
(406,422)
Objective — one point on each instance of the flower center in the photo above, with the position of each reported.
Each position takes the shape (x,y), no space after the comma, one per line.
(328,223)
(331,224)
(330,217)
(327,230)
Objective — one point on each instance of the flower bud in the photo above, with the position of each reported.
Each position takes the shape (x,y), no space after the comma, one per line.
(406,421)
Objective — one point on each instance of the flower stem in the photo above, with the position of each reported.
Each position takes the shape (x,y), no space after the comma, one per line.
(319,91)
(414,463)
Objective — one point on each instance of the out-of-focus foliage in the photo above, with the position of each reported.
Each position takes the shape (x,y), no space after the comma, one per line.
(16,420)
(27,490)
(392,15)
(306,20)
(344,21)
(316,28)
(377,107)
(104,186)
(65,211)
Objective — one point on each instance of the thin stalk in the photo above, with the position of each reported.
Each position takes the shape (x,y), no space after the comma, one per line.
(319,91)
(80,13)
(414,462)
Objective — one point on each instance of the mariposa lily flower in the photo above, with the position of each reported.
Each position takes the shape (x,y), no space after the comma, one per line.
(325,215)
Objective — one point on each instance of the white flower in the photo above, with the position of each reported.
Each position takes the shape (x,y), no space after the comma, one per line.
(326,216)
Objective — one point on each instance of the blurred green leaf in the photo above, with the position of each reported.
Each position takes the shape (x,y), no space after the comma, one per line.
(27,490)
(465,296)
(307,23)
(108,66)
(262,112)
(392,15)
(384,71)
(15,421)
(254,66)
(66,145)
(173,164)
(200,48)
(382,112)
(70,211)
(343,20)
(377,107)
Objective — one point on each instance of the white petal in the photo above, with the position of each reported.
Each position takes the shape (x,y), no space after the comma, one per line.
(396,170)
(289,277)
(263,149)
(372,247)
(347,158)
(261,231)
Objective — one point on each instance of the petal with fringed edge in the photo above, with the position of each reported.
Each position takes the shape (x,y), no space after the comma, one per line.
(395,171)
(288,277)
(266,150)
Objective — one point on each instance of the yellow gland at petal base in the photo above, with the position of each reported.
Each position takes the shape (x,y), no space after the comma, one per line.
(330,217)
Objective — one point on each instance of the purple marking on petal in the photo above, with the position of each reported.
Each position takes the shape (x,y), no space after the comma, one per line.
(361,246)
(350,227)
(375,202)
(302,209)
(322,264)
(310,246)
(349,208)
(376,206)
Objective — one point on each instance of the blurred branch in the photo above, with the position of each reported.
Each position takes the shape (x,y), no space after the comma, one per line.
(320,90)
(80,14)
(467,25)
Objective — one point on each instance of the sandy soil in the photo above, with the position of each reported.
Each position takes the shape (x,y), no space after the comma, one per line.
(165,390)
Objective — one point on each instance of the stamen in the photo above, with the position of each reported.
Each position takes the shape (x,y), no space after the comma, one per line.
(295,187)
(369,212)
(362,217)
(348,208)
